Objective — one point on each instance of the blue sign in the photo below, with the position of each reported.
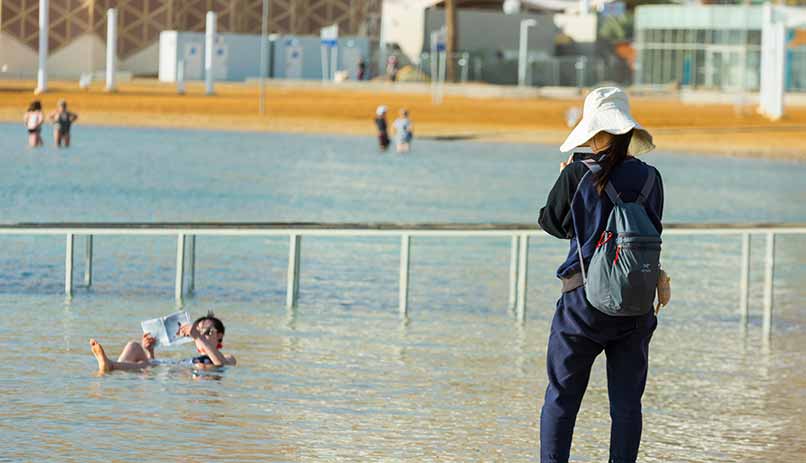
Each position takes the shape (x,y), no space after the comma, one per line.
(329,42)
(440,47)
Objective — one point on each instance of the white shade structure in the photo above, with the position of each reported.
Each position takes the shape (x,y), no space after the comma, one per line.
(775,21)
(111,49)
(209,52)
(42,72)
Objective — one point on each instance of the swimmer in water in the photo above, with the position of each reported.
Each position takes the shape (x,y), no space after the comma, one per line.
(33,120)
(207,333)
(62,120)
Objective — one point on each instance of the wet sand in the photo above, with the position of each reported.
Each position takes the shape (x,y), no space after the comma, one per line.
(702,129)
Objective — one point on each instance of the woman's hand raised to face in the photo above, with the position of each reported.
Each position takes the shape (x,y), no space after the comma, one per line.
(568,161)
(188,329)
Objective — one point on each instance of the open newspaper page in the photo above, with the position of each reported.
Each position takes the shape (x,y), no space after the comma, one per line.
(164,329)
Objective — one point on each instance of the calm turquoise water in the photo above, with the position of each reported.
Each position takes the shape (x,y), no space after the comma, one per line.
(342,378)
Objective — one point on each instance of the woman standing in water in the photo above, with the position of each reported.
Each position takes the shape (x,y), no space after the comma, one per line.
(578,208)
(62,121)
(33,120)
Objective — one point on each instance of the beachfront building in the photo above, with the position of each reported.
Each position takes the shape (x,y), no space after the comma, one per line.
(77,29)
(709,46)
(563,46)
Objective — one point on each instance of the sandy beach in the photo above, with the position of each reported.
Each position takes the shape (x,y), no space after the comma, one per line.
(702,129)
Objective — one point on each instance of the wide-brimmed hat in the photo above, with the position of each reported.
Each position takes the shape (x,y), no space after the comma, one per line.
(381,110)
(607,109)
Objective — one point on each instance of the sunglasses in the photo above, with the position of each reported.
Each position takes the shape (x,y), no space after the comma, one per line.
(209,332)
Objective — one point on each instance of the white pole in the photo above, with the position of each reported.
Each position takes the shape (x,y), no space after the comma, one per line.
(180,77)
(773,57)
(522,277)
(88,263)
(111,48)
(443,63)
(264,32)
(180,268)
(434,62)
(325,63)
(292,287)
(513,272)
(403,299)
(744,283)
(209,51)
(68,266)
(334,60)
(192,285)
(42,73)
(524,49)
(769,273)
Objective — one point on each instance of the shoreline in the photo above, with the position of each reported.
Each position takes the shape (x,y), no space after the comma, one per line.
(675,126)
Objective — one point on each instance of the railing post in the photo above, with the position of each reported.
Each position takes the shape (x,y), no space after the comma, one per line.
(744,282)
(180,268)
(192,265)
(294,250)
(522,274)
(403,296)
(88,263)
(513,272)
(769,274)
(68,266)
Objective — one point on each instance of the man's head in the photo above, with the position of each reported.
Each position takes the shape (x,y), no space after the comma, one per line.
(210,328)
(63,104)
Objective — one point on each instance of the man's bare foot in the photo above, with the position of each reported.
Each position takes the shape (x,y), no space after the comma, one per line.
(104,364)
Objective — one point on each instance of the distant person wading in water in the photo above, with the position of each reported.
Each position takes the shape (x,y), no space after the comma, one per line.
(578,208)
(403,132)
(382,126)
(33,120)
(62,121)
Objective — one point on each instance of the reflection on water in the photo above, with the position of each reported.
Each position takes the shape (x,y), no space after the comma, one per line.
(342,377)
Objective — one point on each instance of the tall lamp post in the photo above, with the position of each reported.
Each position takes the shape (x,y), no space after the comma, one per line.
(264,28)
(524,48)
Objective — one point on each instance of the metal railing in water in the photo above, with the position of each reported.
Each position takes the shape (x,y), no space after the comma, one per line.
(519,233)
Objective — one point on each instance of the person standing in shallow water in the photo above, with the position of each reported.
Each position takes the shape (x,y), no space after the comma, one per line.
(383,128)
(577,208)
(62,121)
(33,121)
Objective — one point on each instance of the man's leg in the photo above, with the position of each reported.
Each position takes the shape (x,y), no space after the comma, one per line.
(627,364)
(568,361)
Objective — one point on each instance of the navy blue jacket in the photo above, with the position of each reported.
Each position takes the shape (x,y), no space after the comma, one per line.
(572,211)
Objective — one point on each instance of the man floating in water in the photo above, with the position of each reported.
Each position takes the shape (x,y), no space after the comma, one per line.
(207,332)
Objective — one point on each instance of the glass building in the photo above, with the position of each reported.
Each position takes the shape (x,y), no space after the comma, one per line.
(707,46)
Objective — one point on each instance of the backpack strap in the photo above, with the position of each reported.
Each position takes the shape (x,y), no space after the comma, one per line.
(592,167)
(612,193)
(648,185)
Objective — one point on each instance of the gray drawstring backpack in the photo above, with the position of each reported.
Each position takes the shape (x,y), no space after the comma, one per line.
(622,277)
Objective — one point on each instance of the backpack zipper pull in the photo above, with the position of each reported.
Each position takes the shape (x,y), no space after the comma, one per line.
(615,259)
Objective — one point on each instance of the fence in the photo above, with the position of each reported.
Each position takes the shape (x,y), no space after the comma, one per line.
(519,233)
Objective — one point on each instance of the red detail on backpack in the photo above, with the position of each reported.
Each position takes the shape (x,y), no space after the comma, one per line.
(615,259)
(606,236)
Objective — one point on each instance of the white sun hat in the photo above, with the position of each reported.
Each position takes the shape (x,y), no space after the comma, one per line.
(381,110)
(607,109)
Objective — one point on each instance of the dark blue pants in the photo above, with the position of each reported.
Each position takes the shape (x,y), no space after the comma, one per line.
(579,333)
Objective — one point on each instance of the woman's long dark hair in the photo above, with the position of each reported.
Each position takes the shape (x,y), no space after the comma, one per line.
(615,155)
